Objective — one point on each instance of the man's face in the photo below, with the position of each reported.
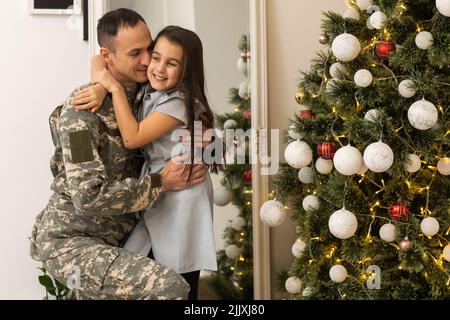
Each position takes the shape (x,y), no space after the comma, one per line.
(129,62)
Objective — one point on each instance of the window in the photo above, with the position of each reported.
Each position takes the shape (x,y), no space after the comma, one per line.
(54,6)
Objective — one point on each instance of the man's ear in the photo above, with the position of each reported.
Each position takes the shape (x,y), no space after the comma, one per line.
(106,54)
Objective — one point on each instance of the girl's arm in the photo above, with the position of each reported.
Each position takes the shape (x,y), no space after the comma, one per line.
(91,98)
(134,134)
(97,65)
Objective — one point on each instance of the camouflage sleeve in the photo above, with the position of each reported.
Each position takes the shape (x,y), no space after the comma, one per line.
(91,191)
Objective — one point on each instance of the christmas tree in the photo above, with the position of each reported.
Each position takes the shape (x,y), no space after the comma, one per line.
(372,201)
(234,278)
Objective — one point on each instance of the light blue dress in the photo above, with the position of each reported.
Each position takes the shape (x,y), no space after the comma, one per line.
(179,229)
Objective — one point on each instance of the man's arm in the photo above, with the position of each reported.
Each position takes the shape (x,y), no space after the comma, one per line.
(91,191)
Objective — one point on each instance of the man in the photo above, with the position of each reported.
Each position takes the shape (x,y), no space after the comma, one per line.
(78,234)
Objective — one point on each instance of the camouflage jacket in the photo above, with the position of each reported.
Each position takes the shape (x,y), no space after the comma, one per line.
(95,182)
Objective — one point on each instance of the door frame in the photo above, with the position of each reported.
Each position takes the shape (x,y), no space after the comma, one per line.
(260,120)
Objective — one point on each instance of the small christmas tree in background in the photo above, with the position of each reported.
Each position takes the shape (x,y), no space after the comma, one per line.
(372,201)
(234,278)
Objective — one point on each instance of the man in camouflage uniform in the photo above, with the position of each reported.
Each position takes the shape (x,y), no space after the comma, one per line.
(78,235)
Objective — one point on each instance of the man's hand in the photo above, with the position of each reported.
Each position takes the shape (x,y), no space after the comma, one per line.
(175,174)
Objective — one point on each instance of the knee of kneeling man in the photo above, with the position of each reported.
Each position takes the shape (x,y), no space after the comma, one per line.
(172,287)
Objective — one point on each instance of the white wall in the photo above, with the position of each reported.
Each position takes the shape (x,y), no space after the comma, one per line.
(293,32)
(41,62)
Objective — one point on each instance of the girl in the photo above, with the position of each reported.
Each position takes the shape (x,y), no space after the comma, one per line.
(179,230)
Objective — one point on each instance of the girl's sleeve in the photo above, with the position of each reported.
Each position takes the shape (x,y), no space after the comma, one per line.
(174,107)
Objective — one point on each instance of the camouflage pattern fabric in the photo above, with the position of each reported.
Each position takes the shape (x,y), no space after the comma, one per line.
(110,273)
(96,191)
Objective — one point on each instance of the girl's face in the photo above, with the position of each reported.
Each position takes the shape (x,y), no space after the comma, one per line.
(166,65)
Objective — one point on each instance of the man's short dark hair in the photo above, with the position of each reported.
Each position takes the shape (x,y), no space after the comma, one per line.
(109,25)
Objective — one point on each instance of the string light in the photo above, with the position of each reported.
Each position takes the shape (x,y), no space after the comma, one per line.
(330,254)
(358,106)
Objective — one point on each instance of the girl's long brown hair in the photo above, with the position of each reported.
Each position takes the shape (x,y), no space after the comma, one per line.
(192,83)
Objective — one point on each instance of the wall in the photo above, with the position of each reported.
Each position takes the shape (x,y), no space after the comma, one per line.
(38,73)
(293,31)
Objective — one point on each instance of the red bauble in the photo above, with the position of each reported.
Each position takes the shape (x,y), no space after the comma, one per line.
(326,150)
(398,210)
(248,176)
(247,115)
(306,114)
(384,49)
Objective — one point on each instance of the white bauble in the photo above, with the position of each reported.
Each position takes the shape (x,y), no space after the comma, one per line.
(230,124)
(293,134)
(343,224)
(372,115)
(238,223)
(413,163)
(222,196)
(293,285)
(363,78)
(369,25)
(338,70)
(244,90)
(378,157)
(424,40)
(348,160)
(338,273)
(364,4)
(306,175)
(422,115)
(351,13)
(346,47)
(443,7)
(407,88)
(363,169)
(298,154)
(324,166)
(242,66)
(298,247)
(429,226)
(311,203)
(387,232)
(331,84)
(378,19)
(443,166)
(272,213)
(446,253)
(232,251)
